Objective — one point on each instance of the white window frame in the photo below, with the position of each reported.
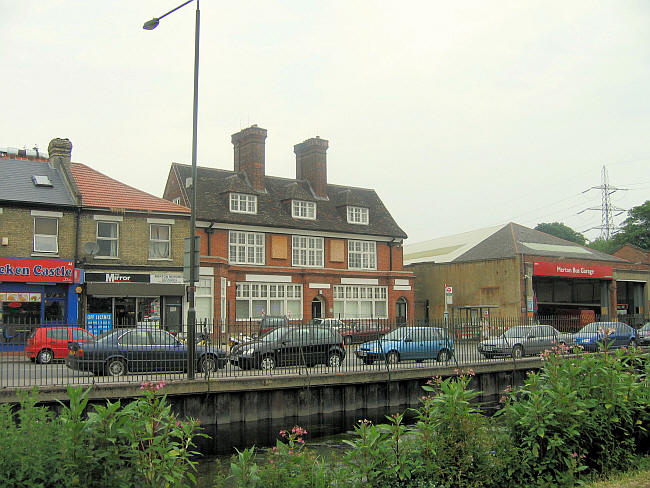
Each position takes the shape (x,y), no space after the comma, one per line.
(357,215)
(243,203)
(350,297)
(205,292)
(366,252)
(249,245)
(307,252)
(116,239)
(260,295)
(47,237)
(156,241)
(301,209)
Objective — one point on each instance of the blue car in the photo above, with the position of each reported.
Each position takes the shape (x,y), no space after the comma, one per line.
(614,334)
(408,343)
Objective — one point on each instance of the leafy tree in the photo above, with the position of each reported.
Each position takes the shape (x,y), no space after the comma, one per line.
(562,231)
(636,228)
(607,246)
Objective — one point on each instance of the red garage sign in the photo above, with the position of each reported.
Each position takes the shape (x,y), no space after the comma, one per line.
(572,270)
(36,270)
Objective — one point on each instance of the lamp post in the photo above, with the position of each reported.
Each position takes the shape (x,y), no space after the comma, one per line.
(191,312)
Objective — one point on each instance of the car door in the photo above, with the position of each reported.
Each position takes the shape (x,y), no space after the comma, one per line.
(534,343)
(167,353)
(57,340)
(136,348)
(289,349)
(547,338)
(411,344)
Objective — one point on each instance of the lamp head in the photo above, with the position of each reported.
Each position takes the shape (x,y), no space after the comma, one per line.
(151,24)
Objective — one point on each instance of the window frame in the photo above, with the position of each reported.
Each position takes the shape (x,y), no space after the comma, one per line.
(303,209)
(168,241)
(358,215)
(116,239)
(256,294)
(54,236)
(246,245)
(304,251)
(344,294)
(370,255)
(237,199)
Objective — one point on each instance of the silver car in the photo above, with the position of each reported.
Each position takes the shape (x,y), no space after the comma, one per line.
(524,340)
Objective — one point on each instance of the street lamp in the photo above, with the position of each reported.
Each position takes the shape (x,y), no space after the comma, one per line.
(191,312)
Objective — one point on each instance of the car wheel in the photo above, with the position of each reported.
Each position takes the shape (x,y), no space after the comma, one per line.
(334,360)
(208,365)
(392,357)
(347,340)
(367,361)
(444,356)
(517,352)
(116,367)
(267,363)
(46,356)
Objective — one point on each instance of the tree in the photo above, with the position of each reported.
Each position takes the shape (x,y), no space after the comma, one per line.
(562,231)
(635,229)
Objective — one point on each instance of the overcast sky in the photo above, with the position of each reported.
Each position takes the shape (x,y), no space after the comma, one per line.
(461,115)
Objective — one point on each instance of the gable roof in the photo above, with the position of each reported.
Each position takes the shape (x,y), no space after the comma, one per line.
(16,184)
(101,191)
(274,206)
(504,241)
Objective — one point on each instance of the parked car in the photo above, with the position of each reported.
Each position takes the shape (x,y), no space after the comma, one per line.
(287,346)
(523,340)
(45,344)
(322,322)
(615,334)
(643,335)
(270,322)
(122,351)
(406,343)
(362,331)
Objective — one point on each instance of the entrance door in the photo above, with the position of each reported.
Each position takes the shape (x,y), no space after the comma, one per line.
(173,314)
(400,311)
(316,308)
(54,307)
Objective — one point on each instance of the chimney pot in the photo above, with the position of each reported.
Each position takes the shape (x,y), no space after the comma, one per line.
(311,164)
(59,151)
(249,153)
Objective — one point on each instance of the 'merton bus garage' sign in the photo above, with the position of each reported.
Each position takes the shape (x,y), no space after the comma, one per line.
(36,270)
(572,270)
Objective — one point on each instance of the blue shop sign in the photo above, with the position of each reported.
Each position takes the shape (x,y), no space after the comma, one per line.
(98,323)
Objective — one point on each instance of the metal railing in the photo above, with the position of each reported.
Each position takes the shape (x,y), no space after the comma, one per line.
(57,354)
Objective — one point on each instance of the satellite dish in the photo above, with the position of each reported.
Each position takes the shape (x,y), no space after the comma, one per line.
(90,248)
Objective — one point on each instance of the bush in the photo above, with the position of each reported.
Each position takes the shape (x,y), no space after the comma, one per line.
(140,444)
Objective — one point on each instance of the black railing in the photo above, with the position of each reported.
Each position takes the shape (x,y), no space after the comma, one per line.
(54,354)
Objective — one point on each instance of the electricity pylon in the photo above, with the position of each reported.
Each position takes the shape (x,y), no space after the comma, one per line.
(607,210)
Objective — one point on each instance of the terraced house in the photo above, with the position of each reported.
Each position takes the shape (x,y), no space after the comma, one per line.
(299,247)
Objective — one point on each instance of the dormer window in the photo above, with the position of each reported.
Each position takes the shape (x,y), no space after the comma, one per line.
(303,210)
(243,203)
(357,215)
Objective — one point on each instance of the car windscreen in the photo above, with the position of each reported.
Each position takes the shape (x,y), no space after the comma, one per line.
(516,332)
(593,327)
(273,335)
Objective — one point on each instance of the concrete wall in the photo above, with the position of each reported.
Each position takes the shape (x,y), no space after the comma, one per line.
(240,412)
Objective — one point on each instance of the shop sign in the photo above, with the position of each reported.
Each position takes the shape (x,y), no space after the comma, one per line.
(117,278)
(572,270)
(167,278)
(19,297)
(36,270)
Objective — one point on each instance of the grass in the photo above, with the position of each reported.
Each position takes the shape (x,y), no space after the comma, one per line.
(638,478)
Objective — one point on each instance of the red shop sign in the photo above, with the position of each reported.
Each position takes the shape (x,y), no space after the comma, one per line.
(36,270)
(572,270)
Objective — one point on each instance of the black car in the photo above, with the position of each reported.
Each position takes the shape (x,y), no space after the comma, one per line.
(288,346)
(122,351)
(270,322)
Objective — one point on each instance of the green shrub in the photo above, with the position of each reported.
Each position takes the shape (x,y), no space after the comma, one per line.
(140,444)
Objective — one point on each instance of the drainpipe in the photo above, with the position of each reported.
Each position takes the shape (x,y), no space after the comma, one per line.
(208,232)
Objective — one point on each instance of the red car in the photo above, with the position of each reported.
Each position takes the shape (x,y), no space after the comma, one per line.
(45,344)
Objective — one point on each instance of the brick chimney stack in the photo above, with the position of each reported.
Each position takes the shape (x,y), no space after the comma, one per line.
(249,154)
(59,151)
(311,164)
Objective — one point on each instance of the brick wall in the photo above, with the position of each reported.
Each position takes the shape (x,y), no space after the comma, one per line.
(17,225)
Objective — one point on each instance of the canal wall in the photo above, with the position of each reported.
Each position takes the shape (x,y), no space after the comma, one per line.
(239,412)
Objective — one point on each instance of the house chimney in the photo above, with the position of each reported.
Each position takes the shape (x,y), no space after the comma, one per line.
(311,164)
(249,154)
(59,151)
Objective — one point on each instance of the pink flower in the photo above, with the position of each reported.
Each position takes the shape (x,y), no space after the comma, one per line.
(574,455)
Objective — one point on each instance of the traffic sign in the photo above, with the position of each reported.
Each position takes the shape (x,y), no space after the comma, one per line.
(449,290)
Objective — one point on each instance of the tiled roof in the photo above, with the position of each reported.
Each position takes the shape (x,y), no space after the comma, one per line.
(503,241)
(274,205)
(99,190)
(16,184)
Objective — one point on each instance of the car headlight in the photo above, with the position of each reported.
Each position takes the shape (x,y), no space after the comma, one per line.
(585,340)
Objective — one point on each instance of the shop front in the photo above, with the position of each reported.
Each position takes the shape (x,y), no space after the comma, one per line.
(117,299)
(36,292)
(563,289)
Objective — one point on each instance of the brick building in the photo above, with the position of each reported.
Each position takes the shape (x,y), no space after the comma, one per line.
(299,247)
(512,271)
(39,206)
